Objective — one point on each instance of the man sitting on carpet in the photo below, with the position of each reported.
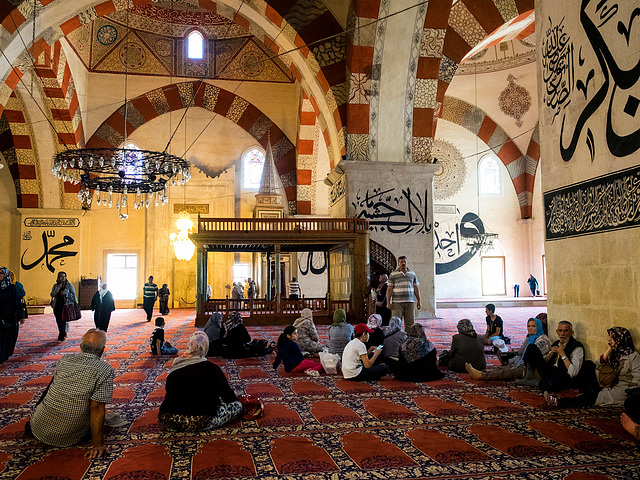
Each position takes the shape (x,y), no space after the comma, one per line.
(73,404)
(557,368)
(356,363)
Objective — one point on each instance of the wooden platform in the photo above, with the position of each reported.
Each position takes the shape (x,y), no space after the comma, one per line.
(39,309)
(497,301)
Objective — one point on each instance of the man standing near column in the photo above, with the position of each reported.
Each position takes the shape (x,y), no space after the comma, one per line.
(403,293)
(150,295)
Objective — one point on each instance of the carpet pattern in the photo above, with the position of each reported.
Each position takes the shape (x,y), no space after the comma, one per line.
(324,428)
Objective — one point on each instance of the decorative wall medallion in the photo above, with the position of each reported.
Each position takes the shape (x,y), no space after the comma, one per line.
(514,100)
(132,55)
(107,34)
(453,170)
(163,48)
(252,64)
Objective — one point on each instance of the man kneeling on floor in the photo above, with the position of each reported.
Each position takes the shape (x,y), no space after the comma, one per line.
(559,367)
(73,405)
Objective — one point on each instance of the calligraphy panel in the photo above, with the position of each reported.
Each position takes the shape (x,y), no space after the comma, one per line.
(609,202)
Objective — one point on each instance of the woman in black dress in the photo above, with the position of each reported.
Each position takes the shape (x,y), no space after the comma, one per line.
(62,294)
(9,308)
(163,299)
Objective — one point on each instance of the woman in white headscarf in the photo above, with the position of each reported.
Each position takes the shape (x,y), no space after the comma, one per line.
(198,396)
(102,305)
(307,333)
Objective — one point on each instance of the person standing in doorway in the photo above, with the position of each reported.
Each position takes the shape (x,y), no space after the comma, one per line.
(150,295)
(294,289)
(381,300)
(251,292)
(533,284)
(403,293)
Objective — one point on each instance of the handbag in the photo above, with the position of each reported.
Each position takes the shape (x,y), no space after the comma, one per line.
(252,407)
(71,312)
(329,362)
(607,376)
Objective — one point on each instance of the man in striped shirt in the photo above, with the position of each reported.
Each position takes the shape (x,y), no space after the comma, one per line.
(403,293)
(150,295)
(294,289)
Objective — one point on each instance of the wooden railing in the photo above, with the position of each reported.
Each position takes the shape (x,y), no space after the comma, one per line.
(260,306)
(302,225)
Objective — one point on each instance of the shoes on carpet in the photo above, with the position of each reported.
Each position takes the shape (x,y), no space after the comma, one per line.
(114,420)
(312,373)
(552,400)
(61,337)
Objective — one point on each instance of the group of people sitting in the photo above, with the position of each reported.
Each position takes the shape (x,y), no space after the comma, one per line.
(83,383)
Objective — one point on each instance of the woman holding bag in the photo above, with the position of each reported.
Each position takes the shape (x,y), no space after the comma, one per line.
(62,294)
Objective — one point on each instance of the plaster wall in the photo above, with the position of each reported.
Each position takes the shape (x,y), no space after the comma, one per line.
(594,278)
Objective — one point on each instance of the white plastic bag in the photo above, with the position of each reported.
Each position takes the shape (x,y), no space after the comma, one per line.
(329,362)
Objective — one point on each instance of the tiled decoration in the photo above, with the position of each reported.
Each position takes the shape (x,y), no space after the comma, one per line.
(453,170)
(514,100)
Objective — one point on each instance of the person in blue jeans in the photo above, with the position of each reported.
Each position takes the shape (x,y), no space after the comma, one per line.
(158,345)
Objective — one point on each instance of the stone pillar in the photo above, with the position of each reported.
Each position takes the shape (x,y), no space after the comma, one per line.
(397,199)
(276,278)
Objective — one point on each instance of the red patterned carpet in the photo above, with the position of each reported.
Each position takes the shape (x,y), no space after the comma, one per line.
(324,428)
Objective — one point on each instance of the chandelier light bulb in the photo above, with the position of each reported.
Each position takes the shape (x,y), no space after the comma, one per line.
(91,162)
(101,162)
(72,163)
(80,163)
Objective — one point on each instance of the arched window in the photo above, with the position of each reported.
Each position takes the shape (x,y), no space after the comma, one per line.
(195,45)
(252,165)
(490,176)
(134,164)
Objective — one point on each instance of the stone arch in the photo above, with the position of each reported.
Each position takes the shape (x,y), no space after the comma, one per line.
(521,168)
(110,134)
(321,70)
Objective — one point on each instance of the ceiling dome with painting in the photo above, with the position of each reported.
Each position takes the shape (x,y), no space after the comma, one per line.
(144,39)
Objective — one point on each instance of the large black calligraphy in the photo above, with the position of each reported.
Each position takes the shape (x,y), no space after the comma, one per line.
(50,255)
(450,251)
(312,262)
(396,213)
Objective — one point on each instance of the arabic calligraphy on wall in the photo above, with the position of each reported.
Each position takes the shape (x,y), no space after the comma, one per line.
(312,263)
(572,73)
(46,255)
(51,222)
(393,210)
(337,190)
(451,250)
(605,203)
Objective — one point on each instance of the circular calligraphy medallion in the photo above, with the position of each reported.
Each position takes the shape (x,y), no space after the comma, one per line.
(132,56)
(448,180)
(107,34)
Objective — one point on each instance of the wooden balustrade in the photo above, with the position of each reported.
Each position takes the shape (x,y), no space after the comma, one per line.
(288,225)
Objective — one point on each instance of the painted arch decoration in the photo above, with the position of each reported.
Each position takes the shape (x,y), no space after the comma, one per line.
(146,107)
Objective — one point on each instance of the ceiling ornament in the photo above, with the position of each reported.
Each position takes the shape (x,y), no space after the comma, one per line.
(514,100)
(453,170)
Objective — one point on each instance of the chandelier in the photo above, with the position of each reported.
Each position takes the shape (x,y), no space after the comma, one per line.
(481,242)
(115,174)
(183,247)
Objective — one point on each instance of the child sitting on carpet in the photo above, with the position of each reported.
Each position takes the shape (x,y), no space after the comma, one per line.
(158,345)
(290,355)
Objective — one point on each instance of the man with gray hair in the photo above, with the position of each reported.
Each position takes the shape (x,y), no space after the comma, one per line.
(72,409)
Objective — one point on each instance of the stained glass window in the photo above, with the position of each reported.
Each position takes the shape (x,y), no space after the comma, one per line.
(489,176)
(195,45)
(252,165)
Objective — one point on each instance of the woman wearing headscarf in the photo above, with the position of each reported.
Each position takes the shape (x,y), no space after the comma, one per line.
(9,321)
(340,332)
(22,311)
(213,330)
(235,337)
(624,362)
(514,368)
(198,396)
(62,293)
(394,336)
(466,347)
(102,305)
(307,333)
(381,300)
(163,299)
(417,358)
(377,337)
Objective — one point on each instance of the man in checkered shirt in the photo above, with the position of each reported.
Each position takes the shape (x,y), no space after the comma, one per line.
(74,404)
(403,293)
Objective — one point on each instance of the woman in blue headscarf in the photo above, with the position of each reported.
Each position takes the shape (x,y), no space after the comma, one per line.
(513,367)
